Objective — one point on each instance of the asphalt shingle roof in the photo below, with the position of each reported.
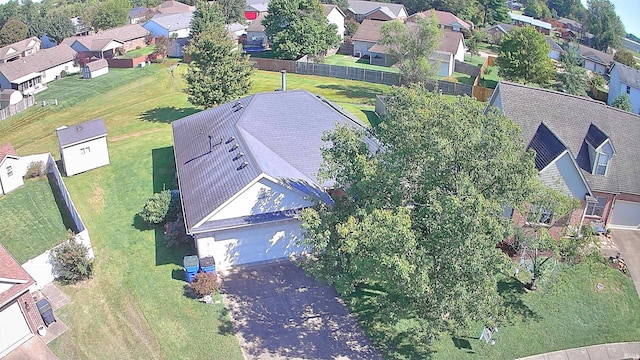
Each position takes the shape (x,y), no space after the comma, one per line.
(100,39)
(546,145)
(570,118)
(369,31)
(442,17)
(595,55)
(628,75)
(11,270)
(221,150)
(553,44)
(362,7)
(81,132)
(40,61)
(98,64)
(18,47)
(5,150)
(173,22)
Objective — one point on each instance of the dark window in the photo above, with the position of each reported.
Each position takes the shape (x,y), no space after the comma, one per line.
(9,171)
(597,208)
(628,89)
(539,215)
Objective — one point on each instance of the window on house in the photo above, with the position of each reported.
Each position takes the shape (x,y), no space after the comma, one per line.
(596,208)
(601,168)
(85,150)
(9,171)
(540,215)
(628,89)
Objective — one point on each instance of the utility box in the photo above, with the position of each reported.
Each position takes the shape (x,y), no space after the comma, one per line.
(191,267)
(208,265)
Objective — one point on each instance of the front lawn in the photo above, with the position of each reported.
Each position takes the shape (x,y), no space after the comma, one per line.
(474,59)
(148,50)
(31,221)
(563,313)
(352,61)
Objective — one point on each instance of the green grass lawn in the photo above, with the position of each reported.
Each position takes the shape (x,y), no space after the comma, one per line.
(463,78)
(474,60)
(489,48)
(31,221)
(134,307)
(564,313)
(148,50)
(269,54)
(352,61)
(491,77)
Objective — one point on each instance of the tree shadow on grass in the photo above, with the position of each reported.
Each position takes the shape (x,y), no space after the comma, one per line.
(352,91)
(167,114)
(164,169)
(513,291)
(372,117)
(65,213)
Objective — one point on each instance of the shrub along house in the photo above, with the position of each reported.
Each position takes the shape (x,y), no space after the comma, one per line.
(625,80)
(246,168)
(83,146)
(583,147)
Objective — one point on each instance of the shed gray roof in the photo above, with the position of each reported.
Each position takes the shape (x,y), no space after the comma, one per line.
(221,150)
(628,75)
(98,64)
(570,118)
(81,132)
(362,7)
(40,61)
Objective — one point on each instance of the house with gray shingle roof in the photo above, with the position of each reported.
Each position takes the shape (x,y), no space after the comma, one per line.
(583,147)
(245,168)
(30,74)
(595,60)
(176,27)
(83,146)
(107,43)
(359,10)
(444,19)
(625,80)
(556,51)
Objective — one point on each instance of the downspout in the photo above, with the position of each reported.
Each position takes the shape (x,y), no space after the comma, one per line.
(584,213)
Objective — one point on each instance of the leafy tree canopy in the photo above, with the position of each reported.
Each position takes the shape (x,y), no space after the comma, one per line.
(409,46)
(626,57)
(57,27)
(419,220)
(573,78)
(13,31)
(110,14)
(623,102)
(604,24)
(494,12)
(207,14)
(524,56)
(298,27)
(537,9)
(233,10)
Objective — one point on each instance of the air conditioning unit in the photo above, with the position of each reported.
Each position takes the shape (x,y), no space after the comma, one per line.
(359,54)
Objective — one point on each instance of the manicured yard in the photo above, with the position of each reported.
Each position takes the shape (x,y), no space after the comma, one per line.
(474,59)
(491,77)
(31,221)
(135,306)
(564,313)
(462,78)
(138,52)
(352,61)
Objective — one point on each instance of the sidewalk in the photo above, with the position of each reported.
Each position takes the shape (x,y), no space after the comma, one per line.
(616,351)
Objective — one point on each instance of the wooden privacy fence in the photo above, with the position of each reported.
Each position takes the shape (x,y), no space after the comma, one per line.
(598,94)
(11,110)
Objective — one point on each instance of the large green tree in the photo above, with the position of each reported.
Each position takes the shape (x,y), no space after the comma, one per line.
(409,46)
(206,15)
(13,31)
(420,218)
(494,12)
(626,57)
(111,14)
(524,57)
(573,78)
(56,27)
(298,27)
(218,72)
(604,24)
(537,9)
(233,10)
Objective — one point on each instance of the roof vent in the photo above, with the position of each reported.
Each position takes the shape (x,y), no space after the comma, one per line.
(243,165)
(238,107)
(230,139)
(235,146)
(78,128)
(240,154)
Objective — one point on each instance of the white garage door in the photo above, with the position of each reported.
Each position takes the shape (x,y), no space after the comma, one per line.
(13,329)
(626,214)
(256,243)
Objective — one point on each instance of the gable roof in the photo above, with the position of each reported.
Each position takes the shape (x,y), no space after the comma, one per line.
(442,18)
(97,64)
(573,23)
(84,131)
(11,273)
(174,7)
(40,61)
(546,145)
(328,8)
(18,47)
(628,75)
(173,22)
(595,137)
(369,30)
(221,150)
(450,41)
(138,12)
(503,28)
(362,7)
(7,150)
(554,45)
(100,39)
(595,55)
(530,20)
(570,118)
(256,25)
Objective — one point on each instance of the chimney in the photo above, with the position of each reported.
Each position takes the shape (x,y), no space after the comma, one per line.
(283,87)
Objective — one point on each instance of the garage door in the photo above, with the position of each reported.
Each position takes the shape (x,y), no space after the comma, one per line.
(626,214)
(14,329)
(255,243)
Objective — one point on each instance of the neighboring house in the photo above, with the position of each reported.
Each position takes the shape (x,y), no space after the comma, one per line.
(20,49)
(570,24)
(246,168)
(336,17)
(31,74)
(556,50)
(176,27)
(83,146)
(95,68)
(367,35)
(625,80)
(496,32)
(173,7)
(631,45)
(360,10)
(81,28)
(595,60)
(445,20)
(522,20)
(583,147)
(138,14)
(19,314)
(255,32)
(254,8)
(10,173)
(108,43)
(47,42)
(236,30)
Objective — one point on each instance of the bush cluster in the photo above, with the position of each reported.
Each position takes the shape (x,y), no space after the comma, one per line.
(35,169)
(161,207)
(205,284)
(71,261)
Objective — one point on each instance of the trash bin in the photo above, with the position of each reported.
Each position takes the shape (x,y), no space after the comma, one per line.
(191,267)
(45,310)
(207,265)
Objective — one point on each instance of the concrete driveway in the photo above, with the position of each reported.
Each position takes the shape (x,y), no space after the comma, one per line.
(628,243)
(280,313)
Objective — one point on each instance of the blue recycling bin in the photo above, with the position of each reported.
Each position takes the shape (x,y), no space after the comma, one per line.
(191,267)
(208,265)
